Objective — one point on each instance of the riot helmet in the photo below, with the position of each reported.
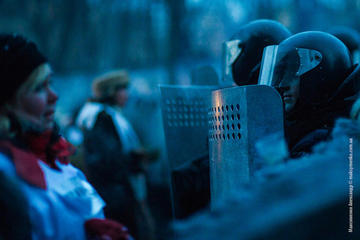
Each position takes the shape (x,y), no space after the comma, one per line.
(242,54)
(307,69)
(351,38)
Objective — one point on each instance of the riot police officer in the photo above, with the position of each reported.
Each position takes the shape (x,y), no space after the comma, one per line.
(315,77)
(243,52)
(241,64)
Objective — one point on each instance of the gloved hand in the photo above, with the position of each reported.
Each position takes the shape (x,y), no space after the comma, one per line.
(145,155)
(139,154)
(105,229)
(152,155)
(138,160)
(141,157)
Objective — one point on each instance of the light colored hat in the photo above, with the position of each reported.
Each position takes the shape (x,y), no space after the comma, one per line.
(106,85)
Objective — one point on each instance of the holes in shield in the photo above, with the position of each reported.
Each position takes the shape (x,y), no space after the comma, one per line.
(186,113)
(224,122)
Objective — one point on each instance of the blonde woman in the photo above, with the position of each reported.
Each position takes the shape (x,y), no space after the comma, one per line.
(61,203)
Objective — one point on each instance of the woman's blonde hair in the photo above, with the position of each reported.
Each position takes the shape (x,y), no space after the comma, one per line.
(39,75)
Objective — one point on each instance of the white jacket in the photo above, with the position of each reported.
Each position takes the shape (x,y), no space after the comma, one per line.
(60,210)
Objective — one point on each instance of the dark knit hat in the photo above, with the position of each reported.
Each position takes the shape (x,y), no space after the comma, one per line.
(18,58)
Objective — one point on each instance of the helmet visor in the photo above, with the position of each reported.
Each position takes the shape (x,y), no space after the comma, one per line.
(281,67)
(230,52)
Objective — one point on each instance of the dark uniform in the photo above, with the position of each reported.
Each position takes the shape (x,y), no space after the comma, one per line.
(326,87)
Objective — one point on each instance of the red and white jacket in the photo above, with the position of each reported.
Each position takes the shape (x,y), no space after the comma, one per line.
(62,203)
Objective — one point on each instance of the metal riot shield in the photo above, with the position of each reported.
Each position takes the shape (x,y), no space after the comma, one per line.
(184,111)
(205,75)
(239,117)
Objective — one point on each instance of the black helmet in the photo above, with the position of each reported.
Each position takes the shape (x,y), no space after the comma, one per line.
(320,62)
(351,38)
(246,48)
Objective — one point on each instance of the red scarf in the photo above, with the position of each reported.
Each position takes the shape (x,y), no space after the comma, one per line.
(48,150)
(26,162)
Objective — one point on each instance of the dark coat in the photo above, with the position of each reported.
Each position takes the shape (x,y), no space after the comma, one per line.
(108,169)
(103,153)
(308,125)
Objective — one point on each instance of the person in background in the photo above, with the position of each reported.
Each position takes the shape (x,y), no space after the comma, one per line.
(351,38)
(114,157)
(60,201)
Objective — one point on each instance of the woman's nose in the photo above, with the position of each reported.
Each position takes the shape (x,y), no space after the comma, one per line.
(52,96)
